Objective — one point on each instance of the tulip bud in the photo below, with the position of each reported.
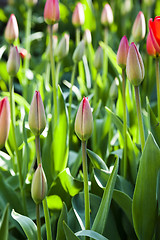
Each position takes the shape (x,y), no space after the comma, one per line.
(4,120)
(51,11)
(122,52)
(98,59)
(11,31)
(154,32)
(84,120)
(113,91)
(139,27)
(134,67)
(87,36)
(150,47)
(37,118)
(31,3)
(13,62)
(39,185)
(79,52)
(63,47)
(107,15)
(78,15)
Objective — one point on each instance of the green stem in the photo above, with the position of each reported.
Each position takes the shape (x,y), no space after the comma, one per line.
(57,72)
(86,188)
(139,114)
(124,125)
(78,35)
(53,77)
(27,47)
(158,86)
(105,58)
(38,222)
(70,91)
(94,106)
(47,219)
(15,143)
(45,207)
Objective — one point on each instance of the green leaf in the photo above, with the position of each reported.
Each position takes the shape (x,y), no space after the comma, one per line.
(144,208)
(92,234)
(102,213)
(4,224)
(68,232)
(27,224)
(96,160)
(63,217)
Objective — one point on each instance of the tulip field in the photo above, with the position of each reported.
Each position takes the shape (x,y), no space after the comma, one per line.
(79,120)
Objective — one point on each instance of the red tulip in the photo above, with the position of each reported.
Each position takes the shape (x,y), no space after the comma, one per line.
(154,27)
(122,52)
(51,11)
(11,31)
(4,120)
(150,47)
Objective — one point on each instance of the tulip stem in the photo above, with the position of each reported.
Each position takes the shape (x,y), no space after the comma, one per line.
(158,87)
(105,58)
(70,91)
(78,34)
(57,72)
(38,222)
(54,86)
(124,125)
(27,46)
(45,207)
(86,188)
(139,114)
(15,143)
(94,107)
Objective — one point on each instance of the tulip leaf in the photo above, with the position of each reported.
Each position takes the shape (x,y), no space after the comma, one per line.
(96,160)
(69,233)
(27,224)
(4,224)
(92,234)
(144,207)
(102,214)
(63,217)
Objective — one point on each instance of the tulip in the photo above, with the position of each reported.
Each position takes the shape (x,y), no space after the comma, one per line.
(87,36)
(4,120)
(79,52)
(51,12)
(150,47)
(98,59)
(31,3)
(122,52)
(13,62)
(139,27)
(107,15)
(39,185)
(11,31)
(84,120)
(134,66)
(78,15)
(63,47)
(154,32)
(37,118)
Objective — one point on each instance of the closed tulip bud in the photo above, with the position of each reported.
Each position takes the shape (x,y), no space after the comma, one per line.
(39,185)
(51,11)
(78,15)
(13,62)
(84,120)
(87,36)
(37,118)
(107,15)
(150,47)
(98,59)
(139,27)
(31,3)
(154,32)
(63,47)
(4,120)
(11,31)
(79,52)
(113,91)
(134,67)
(122,52)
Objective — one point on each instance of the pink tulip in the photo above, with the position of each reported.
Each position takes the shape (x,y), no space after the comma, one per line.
(4,120)
(51,11)
(78,15)
(11,31)
(139,27)
(122,52)
(107,15)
